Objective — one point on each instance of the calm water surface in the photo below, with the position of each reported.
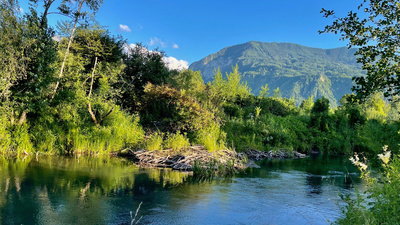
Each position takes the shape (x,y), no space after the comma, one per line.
(62,190)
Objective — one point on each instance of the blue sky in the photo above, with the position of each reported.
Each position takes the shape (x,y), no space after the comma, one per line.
(190,30)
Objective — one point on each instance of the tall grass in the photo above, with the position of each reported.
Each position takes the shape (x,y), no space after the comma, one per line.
(212,137)
(75,133)
(154,142)
(176,141)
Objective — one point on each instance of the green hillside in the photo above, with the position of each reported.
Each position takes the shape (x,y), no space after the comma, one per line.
(297,70)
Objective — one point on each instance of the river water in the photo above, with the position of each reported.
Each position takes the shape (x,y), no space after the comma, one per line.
(70,190)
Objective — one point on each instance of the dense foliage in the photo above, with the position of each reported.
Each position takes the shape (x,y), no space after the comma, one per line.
(374,30)
(89,92)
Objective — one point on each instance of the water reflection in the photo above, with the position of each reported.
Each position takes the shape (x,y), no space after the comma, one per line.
(314,183)
(69,190)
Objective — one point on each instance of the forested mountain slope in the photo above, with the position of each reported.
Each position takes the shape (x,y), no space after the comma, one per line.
(297,70)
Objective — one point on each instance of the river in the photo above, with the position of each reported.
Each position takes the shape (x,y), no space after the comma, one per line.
(104,190)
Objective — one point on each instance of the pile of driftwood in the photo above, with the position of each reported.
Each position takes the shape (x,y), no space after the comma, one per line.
(185,159)
(280,154)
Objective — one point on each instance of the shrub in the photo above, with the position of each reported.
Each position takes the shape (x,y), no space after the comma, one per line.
(212,137)
(383,194)
(172,110)
(154,142)
(177,141)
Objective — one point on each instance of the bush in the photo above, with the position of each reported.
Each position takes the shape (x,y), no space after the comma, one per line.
(154,142)
(176,141)
(212,137)
(171,111)
(278,106)
(383,194)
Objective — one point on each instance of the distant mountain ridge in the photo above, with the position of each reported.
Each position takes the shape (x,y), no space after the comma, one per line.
(297,70)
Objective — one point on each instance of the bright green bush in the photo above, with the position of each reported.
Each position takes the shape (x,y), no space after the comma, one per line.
(212,137)
(154,142)
(176,141)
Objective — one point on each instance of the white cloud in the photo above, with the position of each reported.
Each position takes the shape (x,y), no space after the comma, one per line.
(21,10)
(124,28)
(175,46)
(175,64)
(127,49)
(156,41)
(57,38)
(171,62)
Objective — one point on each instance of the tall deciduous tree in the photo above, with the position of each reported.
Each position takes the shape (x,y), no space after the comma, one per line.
(92,68)
(29,92)
(375,30)
(77,14)
(12,63)
(27,50)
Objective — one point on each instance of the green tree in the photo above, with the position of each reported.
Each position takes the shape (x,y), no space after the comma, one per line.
(94,66)
(28,52)
(277,93)
(66,8)
(30,92)
(231,89)
(190,82)
(264,92)
(374,30)
(375,107)
(320,114)
(307,105)
(13,60)
(142,67)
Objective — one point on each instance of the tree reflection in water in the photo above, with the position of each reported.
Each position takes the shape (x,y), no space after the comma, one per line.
(68,190)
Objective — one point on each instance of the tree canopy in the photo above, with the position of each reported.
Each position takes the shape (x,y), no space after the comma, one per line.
(375,30)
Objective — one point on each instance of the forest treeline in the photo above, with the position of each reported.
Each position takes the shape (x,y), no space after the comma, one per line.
(87,91)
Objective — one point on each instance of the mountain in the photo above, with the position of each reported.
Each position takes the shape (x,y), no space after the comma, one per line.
(297,70)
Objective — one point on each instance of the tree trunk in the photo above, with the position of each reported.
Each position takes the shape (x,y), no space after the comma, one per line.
(66,53)
(97,122)
(91,83)
(46,11)
(22,118)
